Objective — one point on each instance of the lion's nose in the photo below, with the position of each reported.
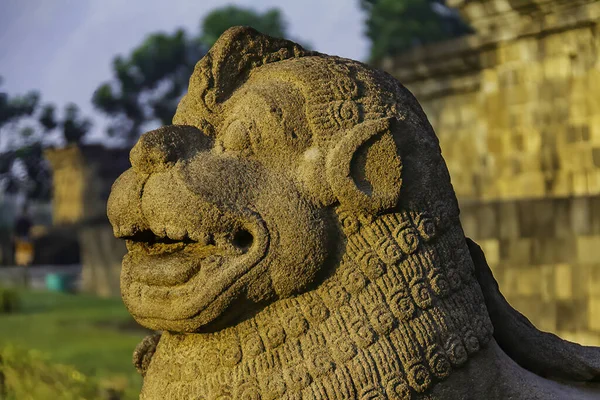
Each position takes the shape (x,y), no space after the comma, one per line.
(160,149)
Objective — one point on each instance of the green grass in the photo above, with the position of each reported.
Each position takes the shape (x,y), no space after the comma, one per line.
(27,375)
(83,331)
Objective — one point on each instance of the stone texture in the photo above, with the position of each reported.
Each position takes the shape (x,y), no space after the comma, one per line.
(295,235)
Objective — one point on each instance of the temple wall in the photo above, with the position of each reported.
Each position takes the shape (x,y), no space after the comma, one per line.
(82,177)
(68,184)
(517,110)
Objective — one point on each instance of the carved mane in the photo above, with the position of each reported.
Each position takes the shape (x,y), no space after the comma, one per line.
(402,310)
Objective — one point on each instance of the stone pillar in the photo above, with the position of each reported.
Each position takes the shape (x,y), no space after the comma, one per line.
(68,184)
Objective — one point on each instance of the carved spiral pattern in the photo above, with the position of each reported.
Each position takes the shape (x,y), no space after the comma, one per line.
(345,85)
(275,336)
(453,278)
(350,223)
(421,294)
(388,251)
(345,113)
(457,354)
(471,342)
(348,87)
(383,321)
(316,311)
(438,362)
(419,377)
(369,300)
(253,346)
(354,281)
(426,226)
(343,349)
(407,238)
(397,389)
(440,285)
(371,265)
(402,305)
(231,354)
(297,326)
(441,215)
(363,335)
(298,378)
(248,391)
(372,393)
(338,295)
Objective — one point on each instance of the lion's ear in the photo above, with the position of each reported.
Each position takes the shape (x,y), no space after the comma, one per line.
(364,170)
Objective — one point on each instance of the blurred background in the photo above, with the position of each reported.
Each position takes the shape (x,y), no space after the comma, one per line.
(512,89)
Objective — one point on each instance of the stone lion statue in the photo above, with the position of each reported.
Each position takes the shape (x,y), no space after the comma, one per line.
(295,235)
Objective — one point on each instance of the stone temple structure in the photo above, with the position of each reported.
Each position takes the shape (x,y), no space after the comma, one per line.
(517,112)
(295,235)
(81,178)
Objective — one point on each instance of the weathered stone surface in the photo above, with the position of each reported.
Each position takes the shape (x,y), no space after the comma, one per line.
(295,235)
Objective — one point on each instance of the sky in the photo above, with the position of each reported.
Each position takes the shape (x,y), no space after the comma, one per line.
(64,48)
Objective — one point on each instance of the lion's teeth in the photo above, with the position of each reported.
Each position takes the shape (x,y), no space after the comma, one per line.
(176,233)
(159,232)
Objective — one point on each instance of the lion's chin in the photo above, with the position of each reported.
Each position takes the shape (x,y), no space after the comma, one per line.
(205,319)
(184,287)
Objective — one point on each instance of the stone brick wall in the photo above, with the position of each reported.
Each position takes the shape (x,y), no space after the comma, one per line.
(517,110)
(545,255)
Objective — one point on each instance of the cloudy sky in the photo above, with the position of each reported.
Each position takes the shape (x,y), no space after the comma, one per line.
(64,48)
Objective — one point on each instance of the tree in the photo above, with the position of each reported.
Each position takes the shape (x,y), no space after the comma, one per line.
(218,21)
(16,107)
(395,26)
(74,127)
(148,84)
(150,81)
(24,127)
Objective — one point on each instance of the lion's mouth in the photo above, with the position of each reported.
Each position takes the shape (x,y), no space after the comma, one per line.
(173,260)
(175,277)
(152,244)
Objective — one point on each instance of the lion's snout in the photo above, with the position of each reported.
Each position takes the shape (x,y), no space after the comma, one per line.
(160,149)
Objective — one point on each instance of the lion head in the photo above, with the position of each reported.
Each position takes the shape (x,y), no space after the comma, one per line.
(293,177)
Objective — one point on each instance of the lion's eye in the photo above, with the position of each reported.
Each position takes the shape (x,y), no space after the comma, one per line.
(237,137)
